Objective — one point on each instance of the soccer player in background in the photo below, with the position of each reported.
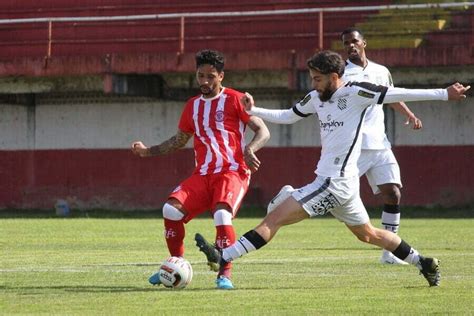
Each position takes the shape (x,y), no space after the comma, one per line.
(217,120)
(341,107)
(377,160)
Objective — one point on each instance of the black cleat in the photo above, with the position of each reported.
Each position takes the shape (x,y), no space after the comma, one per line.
(212,253)
(430,270)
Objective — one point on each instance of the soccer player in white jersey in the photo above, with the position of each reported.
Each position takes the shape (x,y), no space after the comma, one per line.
(216,120)
(377,160)
(341,107)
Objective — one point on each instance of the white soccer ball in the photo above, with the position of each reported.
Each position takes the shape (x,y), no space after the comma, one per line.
(176,273)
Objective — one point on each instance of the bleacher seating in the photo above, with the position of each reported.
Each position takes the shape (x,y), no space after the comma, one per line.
(436,27)
(230,34)
(276,34)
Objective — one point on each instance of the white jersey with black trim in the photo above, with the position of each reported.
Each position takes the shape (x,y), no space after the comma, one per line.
(373,131)
(341,120)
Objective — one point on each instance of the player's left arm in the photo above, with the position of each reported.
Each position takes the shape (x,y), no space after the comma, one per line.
(403,109)
(454,92)
(261,136)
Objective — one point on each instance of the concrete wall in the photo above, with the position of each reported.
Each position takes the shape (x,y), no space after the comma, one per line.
(112,122)
(77,147)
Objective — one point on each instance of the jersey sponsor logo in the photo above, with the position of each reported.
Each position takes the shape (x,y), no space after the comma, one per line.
(305,99)
(342,104)
(330,125)
(220,116)
(366,94)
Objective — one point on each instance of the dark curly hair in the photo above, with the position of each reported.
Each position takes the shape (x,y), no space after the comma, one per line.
(210,57)
(327,62)
(352,30)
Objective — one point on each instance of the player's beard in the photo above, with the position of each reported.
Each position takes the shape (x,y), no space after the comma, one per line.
(205,90)
(326,94)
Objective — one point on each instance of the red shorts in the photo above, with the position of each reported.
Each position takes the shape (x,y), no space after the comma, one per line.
(202,193)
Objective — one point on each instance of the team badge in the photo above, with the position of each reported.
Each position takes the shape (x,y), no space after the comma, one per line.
(342,104)
(366,94)
(220,116)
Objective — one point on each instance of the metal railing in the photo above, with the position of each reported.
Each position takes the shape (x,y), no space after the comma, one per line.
(189,15)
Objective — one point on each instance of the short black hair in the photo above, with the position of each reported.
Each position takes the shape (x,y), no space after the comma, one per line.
(327,62)
(210,57)
(351,30)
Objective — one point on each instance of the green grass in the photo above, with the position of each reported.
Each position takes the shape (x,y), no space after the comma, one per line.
(85,266)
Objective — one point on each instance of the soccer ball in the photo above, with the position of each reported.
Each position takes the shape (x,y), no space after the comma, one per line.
(176,273)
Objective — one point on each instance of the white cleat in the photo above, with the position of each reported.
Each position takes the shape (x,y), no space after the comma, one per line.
(284,193)
(389,258)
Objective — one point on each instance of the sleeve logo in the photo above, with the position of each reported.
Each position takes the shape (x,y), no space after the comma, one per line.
(305,99)
(366,94)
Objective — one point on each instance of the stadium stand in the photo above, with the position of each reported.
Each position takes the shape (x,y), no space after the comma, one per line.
(28,44)
(64,113)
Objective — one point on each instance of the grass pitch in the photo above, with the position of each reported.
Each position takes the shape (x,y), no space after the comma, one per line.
(83,266)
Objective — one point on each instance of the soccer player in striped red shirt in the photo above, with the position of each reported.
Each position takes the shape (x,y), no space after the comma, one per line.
(216,120)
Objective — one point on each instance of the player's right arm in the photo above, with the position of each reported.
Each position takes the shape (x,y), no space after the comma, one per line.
(288,116)
(174,143)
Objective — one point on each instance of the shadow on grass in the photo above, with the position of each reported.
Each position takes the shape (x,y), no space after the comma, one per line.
(32,290)
(245,212)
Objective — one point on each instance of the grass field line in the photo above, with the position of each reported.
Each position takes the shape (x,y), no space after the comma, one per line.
(89,267)
(372,256)
(258,261)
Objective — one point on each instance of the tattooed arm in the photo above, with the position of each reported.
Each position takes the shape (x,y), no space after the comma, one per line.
(168,146)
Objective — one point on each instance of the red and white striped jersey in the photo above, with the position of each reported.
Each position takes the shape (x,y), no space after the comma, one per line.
(218,125)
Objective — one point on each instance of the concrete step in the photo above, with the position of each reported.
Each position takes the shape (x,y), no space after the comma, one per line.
(402,26)
(379,42)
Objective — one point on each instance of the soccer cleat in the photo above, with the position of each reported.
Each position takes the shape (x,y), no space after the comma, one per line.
(389,258)
(155,279)
(429,267)
(285,192)
(213,255)
(224,283)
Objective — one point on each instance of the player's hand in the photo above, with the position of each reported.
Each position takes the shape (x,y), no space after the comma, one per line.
(412,119)
(138,148)
(247,101)
(457,91)
(251,160)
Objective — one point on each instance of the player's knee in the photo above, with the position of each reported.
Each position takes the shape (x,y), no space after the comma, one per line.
(172,213)
(391,194)
(364,238)
(222,217)
(367,235)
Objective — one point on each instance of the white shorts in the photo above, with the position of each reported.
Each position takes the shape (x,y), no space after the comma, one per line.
(380,167)
(339,196)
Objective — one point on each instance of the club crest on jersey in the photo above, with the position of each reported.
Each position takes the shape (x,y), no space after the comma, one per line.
(220,116)
(305,99)
(342,104)
(366,94)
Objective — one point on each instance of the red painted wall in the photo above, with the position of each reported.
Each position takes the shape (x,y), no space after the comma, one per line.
(115,179)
